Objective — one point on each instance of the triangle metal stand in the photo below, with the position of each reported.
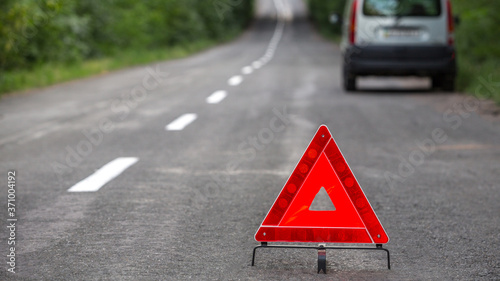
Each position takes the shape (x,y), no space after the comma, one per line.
(322,252)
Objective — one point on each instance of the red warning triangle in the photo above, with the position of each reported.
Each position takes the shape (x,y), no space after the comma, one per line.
(291,219)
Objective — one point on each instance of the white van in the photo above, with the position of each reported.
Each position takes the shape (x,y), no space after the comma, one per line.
(397,38)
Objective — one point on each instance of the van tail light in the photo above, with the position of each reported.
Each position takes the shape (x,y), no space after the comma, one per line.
(352,28)
(451,24)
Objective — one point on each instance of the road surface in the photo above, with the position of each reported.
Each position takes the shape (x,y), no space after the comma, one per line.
(165,171)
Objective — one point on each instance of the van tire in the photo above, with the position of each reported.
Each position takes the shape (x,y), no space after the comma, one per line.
(436,82)
(444,82)
(349,81)
(448,83)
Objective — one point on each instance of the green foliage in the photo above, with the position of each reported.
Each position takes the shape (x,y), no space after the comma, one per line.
(320,11)
(478,46)
(479,29)
(31,30)
(34,32)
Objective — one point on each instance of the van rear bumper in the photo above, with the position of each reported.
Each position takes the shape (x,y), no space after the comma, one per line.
(400,60)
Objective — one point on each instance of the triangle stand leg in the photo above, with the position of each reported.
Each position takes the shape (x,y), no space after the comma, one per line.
(322,252)
(379,247)
(263,244)
(322,259)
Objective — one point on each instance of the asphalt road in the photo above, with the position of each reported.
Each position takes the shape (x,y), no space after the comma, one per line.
(183,200)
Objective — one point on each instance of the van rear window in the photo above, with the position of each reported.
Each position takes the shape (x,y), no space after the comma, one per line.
(402,8)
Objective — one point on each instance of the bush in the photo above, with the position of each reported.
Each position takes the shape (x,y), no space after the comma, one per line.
(477,46)
(34,32)
(320,11)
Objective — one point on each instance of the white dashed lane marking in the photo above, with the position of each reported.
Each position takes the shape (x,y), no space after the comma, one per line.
(105,174)
(182,122)
(247,70)
(216,97)
(235,80)
(257,64)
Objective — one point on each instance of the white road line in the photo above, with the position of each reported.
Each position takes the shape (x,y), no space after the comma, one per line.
(105,174)
(257,64)
(247,70)
(180,123)
(235,80)
(216,97)
(284,13)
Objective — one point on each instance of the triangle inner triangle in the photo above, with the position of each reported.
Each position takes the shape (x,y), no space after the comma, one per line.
(322,175)
(322,171)
(322,201)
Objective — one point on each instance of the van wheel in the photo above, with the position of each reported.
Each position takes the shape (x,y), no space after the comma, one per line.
(444,82)
(448,83)
(349,82)
(436,82)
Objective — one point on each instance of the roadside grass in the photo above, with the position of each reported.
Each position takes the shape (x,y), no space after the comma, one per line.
(52,73)
(479,79)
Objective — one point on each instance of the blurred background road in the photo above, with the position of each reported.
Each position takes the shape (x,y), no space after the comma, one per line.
(165,171)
